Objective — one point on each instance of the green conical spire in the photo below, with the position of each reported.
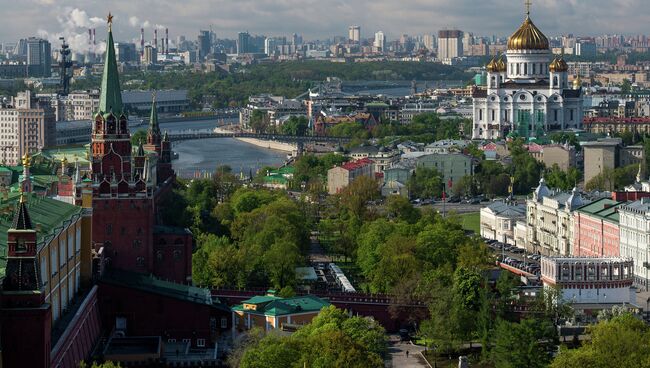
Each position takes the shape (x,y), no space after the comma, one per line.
(153,119)
(111,95)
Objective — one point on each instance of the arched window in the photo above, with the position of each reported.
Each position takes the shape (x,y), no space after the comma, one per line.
(555,81)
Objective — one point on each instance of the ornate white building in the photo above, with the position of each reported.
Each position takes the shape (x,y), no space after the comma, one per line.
(549,220)
(528,93)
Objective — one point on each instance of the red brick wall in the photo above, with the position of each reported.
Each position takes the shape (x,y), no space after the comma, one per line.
(150,314)
(173,257)
(127,225)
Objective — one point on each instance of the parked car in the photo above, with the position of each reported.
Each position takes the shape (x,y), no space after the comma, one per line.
(453,200)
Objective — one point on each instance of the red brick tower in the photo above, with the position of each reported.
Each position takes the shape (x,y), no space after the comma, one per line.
(123,186)
(25,317)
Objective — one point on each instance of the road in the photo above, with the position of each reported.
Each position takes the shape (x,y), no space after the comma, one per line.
(459,208)
(397,350)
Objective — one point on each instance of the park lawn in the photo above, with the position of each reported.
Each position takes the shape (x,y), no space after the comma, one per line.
(472,222)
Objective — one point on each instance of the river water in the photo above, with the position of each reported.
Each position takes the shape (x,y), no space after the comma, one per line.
(198,158)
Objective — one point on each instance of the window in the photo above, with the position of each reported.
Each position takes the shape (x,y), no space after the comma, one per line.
(62,258)
(224,322)
(70,250)
(44,277)
(480,115)
(200,343)
(139,261)
(54,259)
(77,239)
(571,114)
(177,254)
(137,243)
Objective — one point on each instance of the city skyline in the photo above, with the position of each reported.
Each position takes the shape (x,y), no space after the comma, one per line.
(71,18)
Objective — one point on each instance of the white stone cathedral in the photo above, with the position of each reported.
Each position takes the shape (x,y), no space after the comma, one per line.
(528,94)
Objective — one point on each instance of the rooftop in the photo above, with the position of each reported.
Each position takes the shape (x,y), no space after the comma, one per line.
(604,208)
(48,217)
(270,305)
(154,285)
(354,165)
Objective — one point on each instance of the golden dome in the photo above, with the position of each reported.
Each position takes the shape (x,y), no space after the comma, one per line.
(558,65)
(528,37)
(501,66)
(577,82)
(491,66)
(27,160)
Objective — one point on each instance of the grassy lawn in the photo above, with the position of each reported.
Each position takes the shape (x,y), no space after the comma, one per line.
(472,221)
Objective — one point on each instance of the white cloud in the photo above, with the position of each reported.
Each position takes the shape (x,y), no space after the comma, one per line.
(326,18)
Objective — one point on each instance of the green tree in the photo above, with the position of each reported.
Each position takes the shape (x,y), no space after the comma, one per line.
(281,261)
(626,86)
(356,196)
(425,183)
(525,344)
(259,121)
(139,136)
(565,180)
(400,208)
(295,125)
(623,342)
(332,339)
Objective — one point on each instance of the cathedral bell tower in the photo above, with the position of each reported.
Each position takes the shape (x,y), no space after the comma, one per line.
(25,317)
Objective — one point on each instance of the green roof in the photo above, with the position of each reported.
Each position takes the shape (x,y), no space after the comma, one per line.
(275,306)
(48,216)
(72,154)
(157,286)
(605,209)
(110,99)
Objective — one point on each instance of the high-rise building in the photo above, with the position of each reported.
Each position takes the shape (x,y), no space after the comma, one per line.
(450,44)
(429,42)
(125,52)
(296,39)
(585,49)
(205,43)
(271,44)
(28,125)
(354,34)
(380,42)
(150,55)
(39,57)
(243,43)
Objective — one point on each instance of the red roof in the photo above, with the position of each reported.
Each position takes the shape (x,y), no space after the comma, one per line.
(489,147)
(354,165)
(534,147)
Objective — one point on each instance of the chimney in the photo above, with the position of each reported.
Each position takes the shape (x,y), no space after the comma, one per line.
(94,37)
(141,42)
(155,39)
(90,36)
(166,41)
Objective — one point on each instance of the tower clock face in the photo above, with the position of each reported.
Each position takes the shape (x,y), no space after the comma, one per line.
(20,246)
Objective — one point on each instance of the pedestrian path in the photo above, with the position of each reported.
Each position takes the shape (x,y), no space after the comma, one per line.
(397,350)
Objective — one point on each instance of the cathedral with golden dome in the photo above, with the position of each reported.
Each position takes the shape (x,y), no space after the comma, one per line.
(528,92)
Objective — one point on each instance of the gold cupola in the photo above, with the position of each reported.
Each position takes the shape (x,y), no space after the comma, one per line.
(492,66)
(502,67)
(558,65)
(528,37)
(577,82)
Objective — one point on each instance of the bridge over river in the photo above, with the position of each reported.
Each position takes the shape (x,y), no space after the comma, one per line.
(206,134)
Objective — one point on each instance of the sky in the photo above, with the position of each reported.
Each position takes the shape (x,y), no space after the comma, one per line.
(314,19)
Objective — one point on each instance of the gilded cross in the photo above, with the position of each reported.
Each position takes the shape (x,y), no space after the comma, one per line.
(109,20)
(528,3)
